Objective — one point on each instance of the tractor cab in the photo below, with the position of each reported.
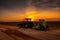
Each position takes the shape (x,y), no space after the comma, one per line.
(28,23)
(27,20)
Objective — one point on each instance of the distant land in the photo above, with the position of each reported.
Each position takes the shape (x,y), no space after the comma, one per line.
(55,24)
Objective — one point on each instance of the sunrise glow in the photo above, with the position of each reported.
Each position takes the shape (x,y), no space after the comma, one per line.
(28,10)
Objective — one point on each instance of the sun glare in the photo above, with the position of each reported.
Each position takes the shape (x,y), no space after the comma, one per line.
(30,16)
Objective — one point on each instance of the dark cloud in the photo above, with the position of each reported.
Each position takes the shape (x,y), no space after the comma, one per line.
(13,4)
(46,3)
(22,4)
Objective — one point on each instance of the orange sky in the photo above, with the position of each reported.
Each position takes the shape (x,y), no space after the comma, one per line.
(52,14)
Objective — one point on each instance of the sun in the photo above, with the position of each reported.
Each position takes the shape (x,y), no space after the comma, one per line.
(31,17)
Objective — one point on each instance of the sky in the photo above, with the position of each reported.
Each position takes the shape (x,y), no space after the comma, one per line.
(18,10)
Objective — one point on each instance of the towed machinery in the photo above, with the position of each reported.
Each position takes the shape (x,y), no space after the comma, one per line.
(41,25)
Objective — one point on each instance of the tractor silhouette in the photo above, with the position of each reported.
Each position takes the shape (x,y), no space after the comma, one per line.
(27,23)
(41,24)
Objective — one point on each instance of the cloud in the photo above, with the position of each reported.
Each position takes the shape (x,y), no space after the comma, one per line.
(46,3)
